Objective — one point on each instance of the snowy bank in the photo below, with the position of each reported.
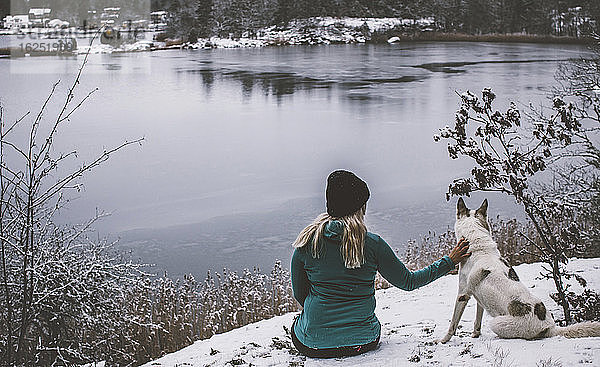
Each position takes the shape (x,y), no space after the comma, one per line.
(328,30)
(312,31)
(411,321)
(126,47)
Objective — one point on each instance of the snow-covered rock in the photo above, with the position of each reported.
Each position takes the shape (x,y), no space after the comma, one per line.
(215,42)
(411,321)
(57,23)
(95,49)
(312,31)
(375,24)
(138,46)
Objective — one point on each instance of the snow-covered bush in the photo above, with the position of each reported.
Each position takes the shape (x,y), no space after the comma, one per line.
(562,206)
(508,158)
(62,292)
(584,306)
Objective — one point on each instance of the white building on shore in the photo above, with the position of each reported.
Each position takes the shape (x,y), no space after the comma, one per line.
(110,16)
(16,22)
(39,17)
(158,20)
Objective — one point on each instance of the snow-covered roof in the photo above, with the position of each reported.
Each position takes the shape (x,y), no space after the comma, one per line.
(57,23)
(18,18)
(39,11)
(161,12)
(112,9)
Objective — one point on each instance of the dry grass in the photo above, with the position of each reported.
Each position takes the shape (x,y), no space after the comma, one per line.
(172,314)
(421,36)
(509,234)
(550,362)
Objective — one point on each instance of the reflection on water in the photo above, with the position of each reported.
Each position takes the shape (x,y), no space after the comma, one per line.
(450,67)
(359,81)
(279,84)
(256,131)
(270,83)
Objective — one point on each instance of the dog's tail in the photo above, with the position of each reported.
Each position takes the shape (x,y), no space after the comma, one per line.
(580,330)
(530,328)
(509,327)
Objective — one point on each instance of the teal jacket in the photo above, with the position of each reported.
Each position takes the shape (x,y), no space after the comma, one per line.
(339,303)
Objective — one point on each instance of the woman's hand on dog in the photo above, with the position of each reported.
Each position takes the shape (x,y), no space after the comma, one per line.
(460,252)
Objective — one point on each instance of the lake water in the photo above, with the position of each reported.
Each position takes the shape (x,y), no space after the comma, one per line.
(238,142)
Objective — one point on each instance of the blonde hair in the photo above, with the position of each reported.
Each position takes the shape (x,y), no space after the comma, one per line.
(353,238)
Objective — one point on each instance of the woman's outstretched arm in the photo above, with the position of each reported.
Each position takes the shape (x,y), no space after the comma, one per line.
(395,272)
(300,283)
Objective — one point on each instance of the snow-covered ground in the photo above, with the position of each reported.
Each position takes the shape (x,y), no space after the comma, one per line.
(374,24)
(411,322)
(108,49)
(320,30)
(312,31)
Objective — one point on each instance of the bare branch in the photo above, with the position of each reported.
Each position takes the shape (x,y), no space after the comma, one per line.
(54,189)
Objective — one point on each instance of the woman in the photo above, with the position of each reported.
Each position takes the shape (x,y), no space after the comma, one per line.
(333,272)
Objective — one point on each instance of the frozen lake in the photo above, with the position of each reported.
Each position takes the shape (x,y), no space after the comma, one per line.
(239,142)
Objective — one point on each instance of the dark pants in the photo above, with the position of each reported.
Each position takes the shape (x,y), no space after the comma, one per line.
(332,352)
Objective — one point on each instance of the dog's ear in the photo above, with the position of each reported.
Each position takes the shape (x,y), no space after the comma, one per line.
(482,211)
(461,208)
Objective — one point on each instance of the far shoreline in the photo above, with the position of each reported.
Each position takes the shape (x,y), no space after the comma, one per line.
(491,38)
(311,36)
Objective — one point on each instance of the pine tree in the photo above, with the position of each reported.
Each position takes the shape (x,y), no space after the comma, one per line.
(477,16)
(204,18)
(284,12)
(236,18)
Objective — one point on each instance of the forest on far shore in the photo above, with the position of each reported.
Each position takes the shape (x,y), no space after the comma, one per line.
(225,18)
(540,17)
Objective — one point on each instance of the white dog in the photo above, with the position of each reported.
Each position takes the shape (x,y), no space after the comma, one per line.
(496,287)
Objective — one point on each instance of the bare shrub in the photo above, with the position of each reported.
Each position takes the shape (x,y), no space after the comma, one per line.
(511,236)
(501,357)
(381,283)
(549,362)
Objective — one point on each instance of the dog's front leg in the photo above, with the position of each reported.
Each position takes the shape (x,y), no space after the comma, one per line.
(459,308)
(478,317)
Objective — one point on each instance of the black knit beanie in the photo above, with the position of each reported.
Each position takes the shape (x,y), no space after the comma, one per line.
(346,193)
